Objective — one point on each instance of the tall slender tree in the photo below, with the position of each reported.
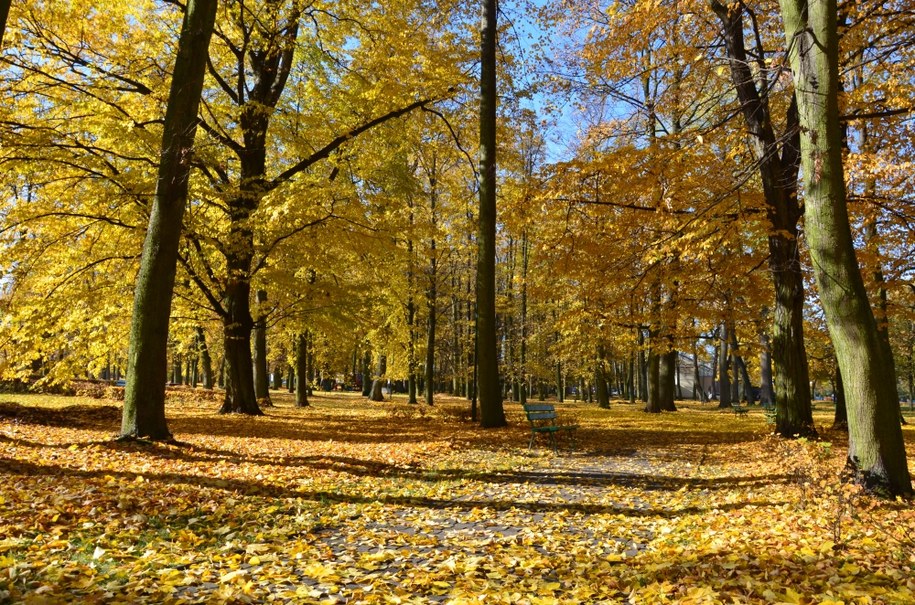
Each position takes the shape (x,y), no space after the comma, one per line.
(147,361)
(492,413)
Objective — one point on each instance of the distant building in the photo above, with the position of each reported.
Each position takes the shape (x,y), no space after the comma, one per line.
(685,377)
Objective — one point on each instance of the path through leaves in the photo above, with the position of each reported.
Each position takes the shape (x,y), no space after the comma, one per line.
(351,502)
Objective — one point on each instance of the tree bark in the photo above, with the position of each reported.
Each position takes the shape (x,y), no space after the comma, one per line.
(724,380)
(667,369)
(876,454)
(778,169)
(840,420)
(261,370)
(766,397)
(147,360)
(600,381)
(376,393)
(301,370)
(4,14)
(492,413)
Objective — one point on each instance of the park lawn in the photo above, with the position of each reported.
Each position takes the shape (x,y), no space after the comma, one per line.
(354,502)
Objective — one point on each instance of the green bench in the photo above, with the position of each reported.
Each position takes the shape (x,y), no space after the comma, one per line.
(543,419)
(739,409)
(771,416)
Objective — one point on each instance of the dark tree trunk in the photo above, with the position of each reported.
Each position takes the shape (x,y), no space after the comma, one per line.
(600,381)
(4,13)
(492,413)
(643,368)
(301,369)
(778,168)
(840,420)
(667,370)
(766,396)
(724,379)
(261,371)
(366,374)
(432,292)
(147,360)
(237,327)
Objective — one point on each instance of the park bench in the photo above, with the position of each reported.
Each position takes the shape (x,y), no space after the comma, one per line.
(739,409)
(543,419)
(769,411)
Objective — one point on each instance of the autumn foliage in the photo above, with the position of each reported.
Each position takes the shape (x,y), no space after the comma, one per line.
(355,502)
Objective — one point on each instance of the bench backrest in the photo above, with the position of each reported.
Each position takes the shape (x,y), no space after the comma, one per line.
(540,413)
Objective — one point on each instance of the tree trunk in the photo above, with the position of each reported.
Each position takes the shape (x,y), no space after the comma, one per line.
(876,453)
(432,292)
(237,327)
(653,405)
(724,380)
(667,368)
(492,413)
(642,367)
(600,381)
(522,353)
(366,374)
(778,169)
(840,420)
(376,393)
(147,361)
(4,13)
(261,371)
(765,371)
(301,370)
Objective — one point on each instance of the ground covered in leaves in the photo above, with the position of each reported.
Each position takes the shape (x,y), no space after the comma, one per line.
(356,502)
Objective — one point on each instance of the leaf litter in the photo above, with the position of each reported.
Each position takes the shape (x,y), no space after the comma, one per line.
(351,502)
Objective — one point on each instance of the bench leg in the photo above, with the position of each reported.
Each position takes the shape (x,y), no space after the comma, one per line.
(530,444)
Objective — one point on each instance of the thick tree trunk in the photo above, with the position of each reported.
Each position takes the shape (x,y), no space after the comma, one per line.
(600,381)
(261,371)
(667,368)
(301,369)
(876,453)
(376,394)
(492,413)
(237,328)
(4,13)
(147,360)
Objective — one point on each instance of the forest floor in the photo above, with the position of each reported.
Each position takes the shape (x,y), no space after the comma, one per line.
(354,502)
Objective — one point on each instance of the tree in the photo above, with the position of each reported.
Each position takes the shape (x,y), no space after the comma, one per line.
(4,13)
(778,161)
(491,412)
(876,453)
(147,364)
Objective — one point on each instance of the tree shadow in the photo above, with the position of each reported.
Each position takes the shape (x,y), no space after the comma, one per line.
(253,488)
